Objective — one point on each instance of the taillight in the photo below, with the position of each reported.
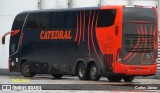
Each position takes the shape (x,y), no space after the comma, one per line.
(119,55)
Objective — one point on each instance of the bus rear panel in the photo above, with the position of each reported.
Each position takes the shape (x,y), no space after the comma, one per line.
(139,42)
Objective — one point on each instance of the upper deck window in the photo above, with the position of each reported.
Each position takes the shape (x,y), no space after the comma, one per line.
(51,20)
(33,21)
(106,17)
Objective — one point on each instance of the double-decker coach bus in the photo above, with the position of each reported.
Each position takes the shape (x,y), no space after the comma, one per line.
(117,42)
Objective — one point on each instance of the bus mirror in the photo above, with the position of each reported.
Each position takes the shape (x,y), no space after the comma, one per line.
(3,37)
(3,40)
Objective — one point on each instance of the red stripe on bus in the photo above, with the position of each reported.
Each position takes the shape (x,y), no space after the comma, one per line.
(141,22)
(21,39)
(142,40)
(80,29)
(76,28)
(15,32)
(151,44)
(89,36)
(92,38)
(145,40)
(154,33)
(84,26)
(135,46)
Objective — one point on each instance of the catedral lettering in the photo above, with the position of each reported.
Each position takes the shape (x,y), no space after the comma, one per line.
(56,34)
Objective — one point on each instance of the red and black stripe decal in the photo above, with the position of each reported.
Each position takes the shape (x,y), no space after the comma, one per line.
(89,19)
(142,30)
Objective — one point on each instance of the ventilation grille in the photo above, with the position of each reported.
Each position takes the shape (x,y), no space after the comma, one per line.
(139,43)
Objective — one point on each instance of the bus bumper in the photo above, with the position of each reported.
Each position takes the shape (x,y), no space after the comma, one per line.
(136,70)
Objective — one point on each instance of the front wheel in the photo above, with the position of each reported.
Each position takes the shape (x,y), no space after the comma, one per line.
(128,78)
(57,76)
(81,71)
(25,70)
(93,73)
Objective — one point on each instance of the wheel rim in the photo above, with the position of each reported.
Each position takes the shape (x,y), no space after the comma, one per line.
(93,72)
(26,69)
(81,71)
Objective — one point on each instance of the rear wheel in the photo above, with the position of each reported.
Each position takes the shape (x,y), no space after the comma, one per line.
(25,70)
(81,71)
(93,73)
(57,76)
(114,78)
(128,78)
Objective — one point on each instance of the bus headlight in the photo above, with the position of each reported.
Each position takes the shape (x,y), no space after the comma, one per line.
(119,59)
(157,60)
(119,55)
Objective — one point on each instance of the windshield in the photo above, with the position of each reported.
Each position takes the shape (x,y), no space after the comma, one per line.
(17,26)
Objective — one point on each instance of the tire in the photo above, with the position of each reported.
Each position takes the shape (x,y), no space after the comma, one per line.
(114,78)
(57,76)
(25,70)
(128,78)
(81,71)
(93,73)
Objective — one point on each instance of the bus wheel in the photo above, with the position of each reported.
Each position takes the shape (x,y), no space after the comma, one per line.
(57,76)
(128,78)
(114,78)
(81,71)
(93,73)
(25,70)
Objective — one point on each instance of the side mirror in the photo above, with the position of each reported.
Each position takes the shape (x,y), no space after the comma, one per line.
(3,40)
(4,36)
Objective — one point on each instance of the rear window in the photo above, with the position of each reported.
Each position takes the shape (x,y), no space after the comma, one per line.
(139,14)
(106,18)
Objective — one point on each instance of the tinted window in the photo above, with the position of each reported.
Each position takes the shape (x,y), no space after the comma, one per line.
(70,21)
(44,20)
(18,22)
(33,21)
(51,20)
(135,14)
(106,18)
(60,20)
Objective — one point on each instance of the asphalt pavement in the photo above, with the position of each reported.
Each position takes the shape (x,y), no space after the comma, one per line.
(71,84)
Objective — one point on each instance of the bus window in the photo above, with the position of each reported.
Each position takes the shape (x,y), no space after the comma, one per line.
(106,17)
(51,20)
(60,20)
(33,21)
(44,21)
(70,21)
